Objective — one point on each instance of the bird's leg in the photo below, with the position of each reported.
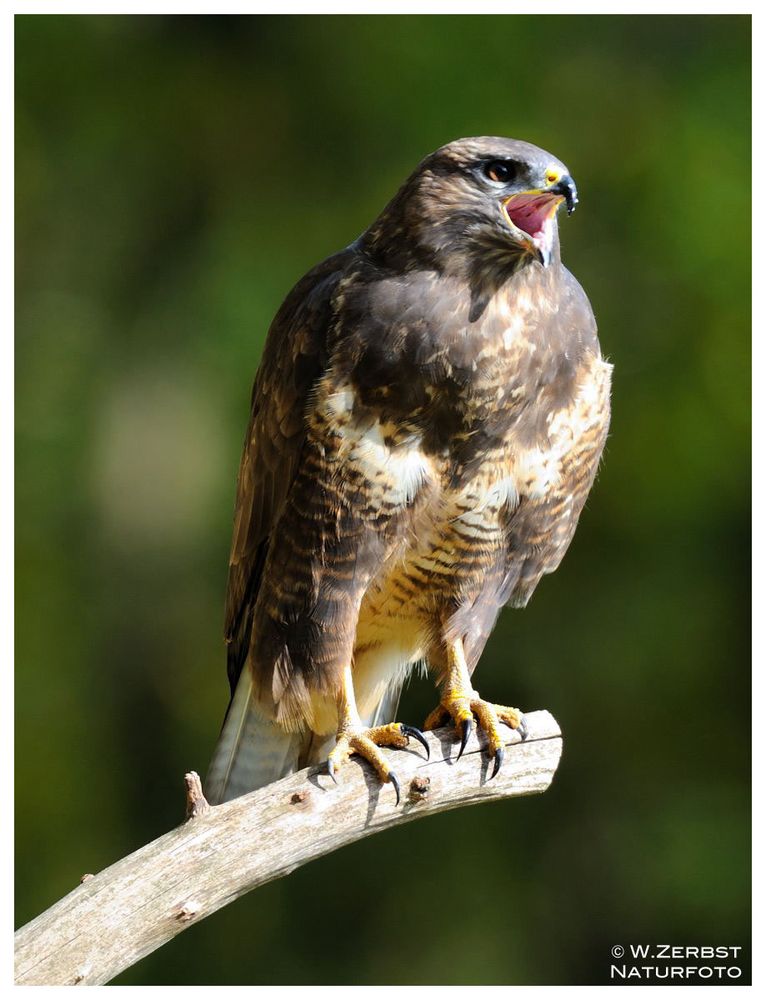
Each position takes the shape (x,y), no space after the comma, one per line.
(461,702)
(354,737)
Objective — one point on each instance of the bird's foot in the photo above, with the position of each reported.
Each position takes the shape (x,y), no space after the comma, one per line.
(365,742)
(462,706)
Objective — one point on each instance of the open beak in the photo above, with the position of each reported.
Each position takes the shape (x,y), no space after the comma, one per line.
(532,214)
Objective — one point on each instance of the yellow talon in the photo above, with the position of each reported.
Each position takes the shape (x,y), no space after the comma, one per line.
(353,737)
(461,703)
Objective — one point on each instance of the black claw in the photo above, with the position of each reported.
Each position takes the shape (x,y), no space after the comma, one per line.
(395,782)
(417,735)
(499,758)
(467,730)
(522,729)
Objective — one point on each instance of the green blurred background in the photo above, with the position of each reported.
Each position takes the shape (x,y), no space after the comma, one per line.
(175,176)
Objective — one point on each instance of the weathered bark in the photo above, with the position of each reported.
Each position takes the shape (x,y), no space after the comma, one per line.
(113,919)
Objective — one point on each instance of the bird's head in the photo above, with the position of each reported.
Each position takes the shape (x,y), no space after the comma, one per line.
(487,199)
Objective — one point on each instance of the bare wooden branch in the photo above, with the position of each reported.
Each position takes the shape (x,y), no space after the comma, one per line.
(114,918)
(196,803)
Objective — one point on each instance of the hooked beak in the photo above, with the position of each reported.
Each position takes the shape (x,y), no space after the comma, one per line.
(567,189)
(532,214)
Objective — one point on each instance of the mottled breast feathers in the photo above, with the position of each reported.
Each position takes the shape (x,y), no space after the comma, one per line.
(395,443)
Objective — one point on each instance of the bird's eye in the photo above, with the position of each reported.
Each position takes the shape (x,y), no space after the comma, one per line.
(500,171)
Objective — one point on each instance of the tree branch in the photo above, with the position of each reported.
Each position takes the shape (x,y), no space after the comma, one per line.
(113,919)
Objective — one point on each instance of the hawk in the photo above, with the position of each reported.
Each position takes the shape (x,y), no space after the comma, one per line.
(426,424)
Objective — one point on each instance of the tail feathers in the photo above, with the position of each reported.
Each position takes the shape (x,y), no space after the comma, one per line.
(316,749)
(386,709)
(251,751)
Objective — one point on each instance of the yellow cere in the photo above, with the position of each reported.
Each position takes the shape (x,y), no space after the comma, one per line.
(552,176)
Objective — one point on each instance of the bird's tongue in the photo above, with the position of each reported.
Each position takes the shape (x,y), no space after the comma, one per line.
(530,212)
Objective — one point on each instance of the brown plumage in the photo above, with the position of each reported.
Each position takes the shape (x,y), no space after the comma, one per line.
(426,423)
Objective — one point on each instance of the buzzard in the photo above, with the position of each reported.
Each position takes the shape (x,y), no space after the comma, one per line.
(426,424)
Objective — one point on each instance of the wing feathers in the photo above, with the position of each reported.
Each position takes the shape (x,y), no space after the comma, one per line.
(292,361)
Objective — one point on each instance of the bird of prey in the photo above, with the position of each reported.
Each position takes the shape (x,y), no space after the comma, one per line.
(426,424)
